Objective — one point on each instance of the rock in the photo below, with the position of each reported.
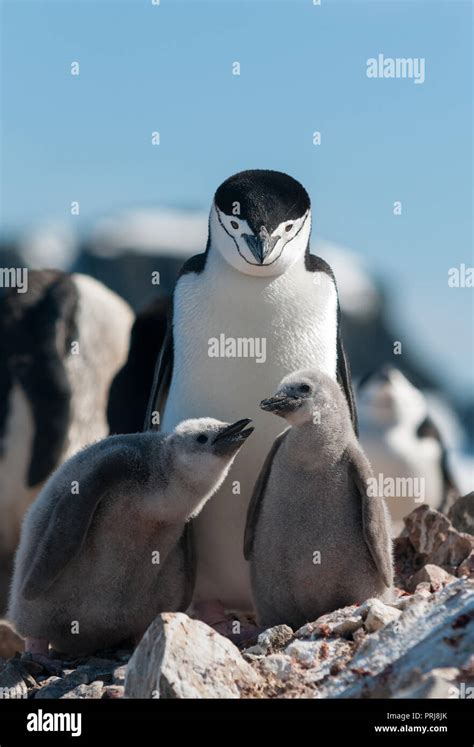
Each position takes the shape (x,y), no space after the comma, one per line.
(93,691)
(304,652)
(274,639)
(253,652)
(379,615)
(58,687)
(461,513)
(326,625)
(434,538)
(424,588)
(406,560)
(97,669)
(348,626)
(112,692)
(278,665)
(422,593)
(14,680)
(119,675)
(430,634)
(123,655)
(467,567)
(432,575)
(183,658)
(439,683)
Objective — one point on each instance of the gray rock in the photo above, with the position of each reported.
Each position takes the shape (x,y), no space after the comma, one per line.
(348,626)
(440,683)
(461,513)
(119,675)
(430,634)
(379,614)
(304,652)
(274,639)
(58,687)
(183,658)
(432,575)
(92,691)
(326,625)
(422,593)
(467,567)
(277,665)
(14,680)
(112,692)
(98,669)
(435,539)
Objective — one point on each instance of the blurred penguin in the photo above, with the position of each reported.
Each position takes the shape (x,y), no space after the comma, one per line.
(403,443)
(131,387)
(61,343)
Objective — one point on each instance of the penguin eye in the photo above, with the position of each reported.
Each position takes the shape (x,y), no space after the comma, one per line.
(305,388)
(202,439)
(234,224)
(289,227)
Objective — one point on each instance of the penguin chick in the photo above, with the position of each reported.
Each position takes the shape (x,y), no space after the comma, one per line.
(315,539)
(103,549)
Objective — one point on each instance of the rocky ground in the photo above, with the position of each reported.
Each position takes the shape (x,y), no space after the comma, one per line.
(421,645)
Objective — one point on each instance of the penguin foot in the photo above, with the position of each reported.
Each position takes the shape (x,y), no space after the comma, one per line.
(248,636)
(37,651)
(37,646)
(214,614)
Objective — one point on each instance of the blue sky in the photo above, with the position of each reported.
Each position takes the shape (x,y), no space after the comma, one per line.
(303,68)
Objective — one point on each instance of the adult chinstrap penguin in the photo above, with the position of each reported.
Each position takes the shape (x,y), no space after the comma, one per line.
(403,444)
(256,281)
(61,343)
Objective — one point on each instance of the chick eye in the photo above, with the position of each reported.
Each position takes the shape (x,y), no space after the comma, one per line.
(289,227)
(304,388)
(234,224)
(202,439)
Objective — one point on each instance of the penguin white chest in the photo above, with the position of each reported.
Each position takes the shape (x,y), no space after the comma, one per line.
(235,338)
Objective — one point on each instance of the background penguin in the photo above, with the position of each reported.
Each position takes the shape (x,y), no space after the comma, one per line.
(402,441)
(256,280)
(61,343)
(315,538)
(130,390)
(86,571)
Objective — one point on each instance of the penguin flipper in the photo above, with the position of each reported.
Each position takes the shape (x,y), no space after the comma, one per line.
(345,381)
(255,504)
(316,264)
(375,521)
(71,518)
(162,378)
(428,429)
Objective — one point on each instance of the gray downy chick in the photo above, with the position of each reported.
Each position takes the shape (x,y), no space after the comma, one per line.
(104,548)
(315,539)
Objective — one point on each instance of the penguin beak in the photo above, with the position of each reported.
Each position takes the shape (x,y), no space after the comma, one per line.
(281,404)
(262,245)
(230,438)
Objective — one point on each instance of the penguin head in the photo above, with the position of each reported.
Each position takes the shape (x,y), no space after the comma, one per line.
(260,222)
(310,396)
(386,398)
(206,447)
